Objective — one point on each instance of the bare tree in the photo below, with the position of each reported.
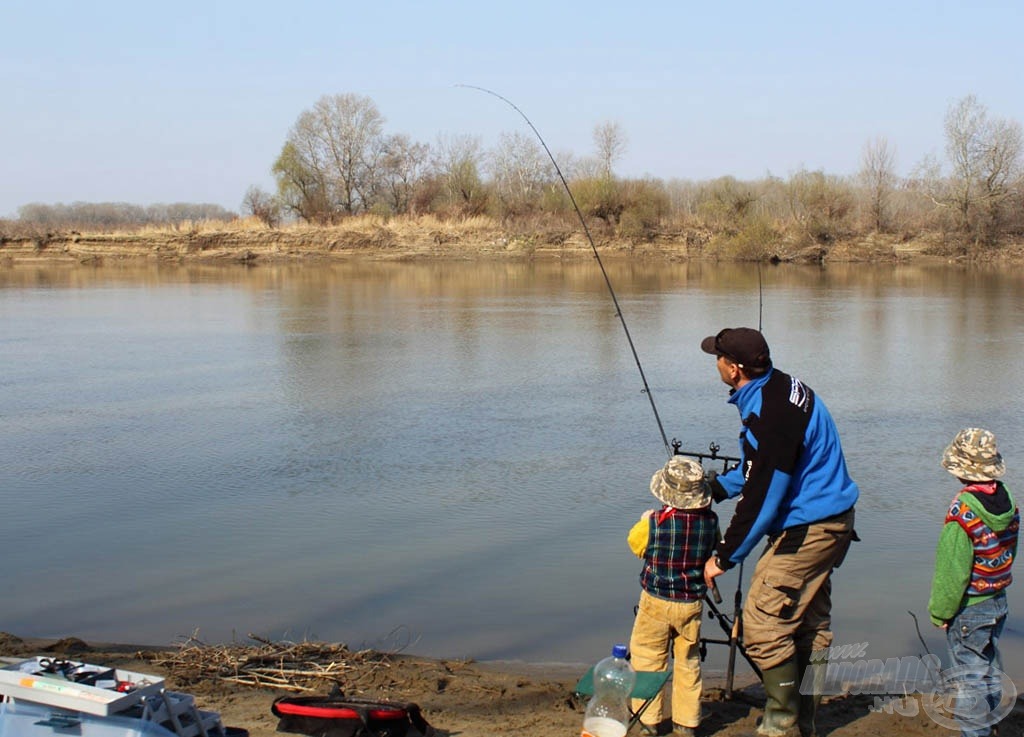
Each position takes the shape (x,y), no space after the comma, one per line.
(819,203)
(1002,174)
(878,177)
(581,167)
(263,206)
(402,165)
(329,162)
(610,141)
(520,170)
(964,126)
(457,161)
(985,156)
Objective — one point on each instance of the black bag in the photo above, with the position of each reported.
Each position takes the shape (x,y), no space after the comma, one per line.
(337,716)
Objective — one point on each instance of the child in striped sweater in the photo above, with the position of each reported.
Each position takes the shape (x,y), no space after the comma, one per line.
(972,571)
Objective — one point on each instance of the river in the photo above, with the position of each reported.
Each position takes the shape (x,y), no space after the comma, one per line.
(445,457)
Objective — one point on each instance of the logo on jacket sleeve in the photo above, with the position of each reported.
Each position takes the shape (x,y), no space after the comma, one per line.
(799,394)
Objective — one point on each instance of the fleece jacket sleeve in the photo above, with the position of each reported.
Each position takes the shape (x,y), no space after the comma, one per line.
(638,536)
(954,558)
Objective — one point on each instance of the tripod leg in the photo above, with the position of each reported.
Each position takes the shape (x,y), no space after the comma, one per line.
(734,643)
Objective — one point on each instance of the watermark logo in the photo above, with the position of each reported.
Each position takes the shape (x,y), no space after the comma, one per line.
(972,696)
(963,696)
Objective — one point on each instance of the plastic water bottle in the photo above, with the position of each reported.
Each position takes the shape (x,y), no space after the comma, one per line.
(607,712)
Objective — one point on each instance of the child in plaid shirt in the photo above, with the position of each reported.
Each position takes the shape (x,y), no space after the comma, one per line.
(674,543)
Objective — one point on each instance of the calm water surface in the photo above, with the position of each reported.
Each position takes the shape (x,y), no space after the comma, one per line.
(446,457)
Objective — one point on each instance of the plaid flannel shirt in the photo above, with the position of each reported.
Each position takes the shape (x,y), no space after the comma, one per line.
(676,546)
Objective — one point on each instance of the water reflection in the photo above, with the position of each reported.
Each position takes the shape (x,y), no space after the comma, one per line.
(339,449)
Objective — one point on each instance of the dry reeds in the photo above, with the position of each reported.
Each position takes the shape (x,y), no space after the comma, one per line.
(400,225)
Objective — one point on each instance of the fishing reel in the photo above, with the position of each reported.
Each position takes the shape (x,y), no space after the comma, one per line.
(728,462)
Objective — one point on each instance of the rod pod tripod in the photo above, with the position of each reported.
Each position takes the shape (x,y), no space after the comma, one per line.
(733,628)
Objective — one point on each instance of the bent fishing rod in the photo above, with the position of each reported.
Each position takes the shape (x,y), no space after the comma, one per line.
(733,627)
(673,449)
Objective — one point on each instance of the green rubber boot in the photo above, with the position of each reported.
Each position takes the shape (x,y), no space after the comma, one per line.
(782,707)
(812,675)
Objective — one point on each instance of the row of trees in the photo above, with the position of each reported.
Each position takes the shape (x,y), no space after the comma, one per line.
(114,215)
(338,161)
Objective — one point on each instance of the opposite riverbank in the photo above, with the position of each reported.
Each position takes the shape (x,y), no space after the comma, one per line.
(370,238)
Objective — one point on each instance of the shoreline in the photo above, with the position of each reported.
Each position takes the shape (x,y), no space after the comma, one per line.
(413,243)
(476,699)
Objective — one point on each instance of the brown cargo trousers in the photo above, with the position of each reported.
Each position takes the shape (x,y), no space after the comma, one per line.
(789,604)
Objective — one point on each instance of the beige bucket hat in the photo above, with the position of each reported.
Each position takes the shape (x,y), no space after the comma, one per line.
(973,456)
(680,484)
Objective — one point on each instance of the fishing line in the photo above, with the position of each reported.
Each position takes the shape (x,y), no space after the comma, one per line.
(937,678)
(586,231)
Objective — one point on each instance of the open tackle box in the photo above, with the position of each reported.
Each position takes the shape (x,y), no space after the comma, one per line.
(106,692)
(93,689)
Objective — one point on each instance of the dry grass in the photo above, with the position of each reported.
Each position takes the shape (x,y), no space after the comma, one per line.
(359,223)
(361,231)
(195,227)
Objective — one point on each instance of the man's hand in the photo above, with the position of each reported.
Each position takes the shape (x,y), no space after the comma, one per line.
(711,571)
(714,487)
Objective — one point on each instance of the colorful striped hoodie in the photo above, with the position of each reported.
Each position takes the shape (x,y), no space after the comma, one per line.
(976,549)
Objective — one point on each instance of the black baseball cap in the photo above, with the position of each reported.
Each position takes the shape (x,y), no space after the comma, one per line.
(746,346)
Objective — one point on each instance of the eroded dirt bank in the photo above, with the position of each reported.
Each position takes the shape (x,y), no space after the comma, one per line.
(382,242)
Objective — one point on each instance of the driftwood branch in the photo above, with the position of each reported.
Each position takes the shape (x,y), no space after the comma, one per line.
(302,666)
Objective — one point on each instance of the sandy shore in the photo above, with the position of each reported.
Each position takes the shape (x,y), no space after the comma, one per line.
(473,699)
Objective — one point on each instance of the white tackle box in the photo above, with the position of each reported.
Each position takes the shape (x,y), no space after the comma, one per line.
(98,690)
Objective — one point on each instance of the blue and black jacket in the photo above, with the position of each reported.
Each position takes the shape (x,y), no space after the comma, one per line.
(791,472)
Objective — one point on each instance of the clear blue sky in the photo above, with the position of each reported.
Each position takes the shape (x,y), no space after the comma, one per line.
(191,101)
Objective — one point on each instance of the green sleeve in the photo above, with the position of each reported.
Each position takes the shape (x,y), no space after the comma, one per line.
(954,559)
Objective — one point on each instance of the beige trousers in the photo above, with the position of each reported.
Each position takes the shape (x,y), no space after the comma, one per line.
(657,622)
(789,603)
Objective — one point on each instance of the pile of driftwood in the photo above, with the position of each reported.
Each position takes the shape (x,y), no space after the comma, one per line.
(303,666)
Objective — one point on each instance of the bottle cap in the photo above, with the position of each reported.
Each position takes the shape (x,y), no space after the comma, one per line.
(620,651)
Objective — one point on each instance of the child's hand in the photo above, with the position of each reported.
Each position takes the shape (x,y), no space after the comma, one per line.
(647,514)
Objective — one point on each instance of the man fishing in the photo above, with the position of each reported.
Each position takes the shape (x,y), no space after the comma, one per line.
(794,488)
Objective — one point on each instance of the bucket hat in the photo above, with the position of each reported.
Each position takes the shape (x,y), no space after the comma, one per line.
(680,484)
(973,456)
